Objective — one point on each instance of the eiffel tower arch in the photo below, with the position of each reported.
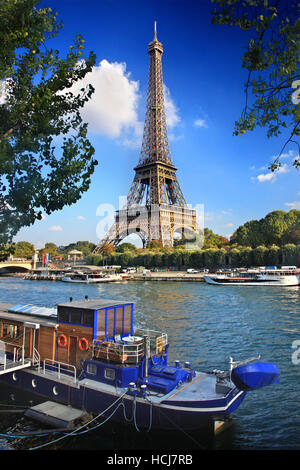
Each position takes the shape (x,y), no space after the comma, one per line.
(155,207)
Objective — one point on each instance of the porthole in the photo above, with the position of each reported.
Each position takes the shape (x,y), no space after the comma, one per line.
(54,390)
(33,383)
(14,377)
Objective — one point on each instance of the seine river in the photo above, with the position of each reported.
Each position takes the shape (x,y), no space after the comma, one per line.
(205,325)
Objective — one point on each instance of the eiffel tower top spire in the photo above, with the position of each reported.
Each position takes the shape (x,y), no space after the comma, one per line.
(155,38)
(155,145)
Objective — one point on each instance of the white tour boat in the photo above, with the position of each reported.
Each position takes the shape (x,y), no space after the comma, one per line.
(91,278)
(265,277)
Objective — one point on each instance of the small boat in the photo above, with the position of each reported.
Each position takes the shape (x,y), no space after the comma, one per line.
(264,277)
(87,355)
(255,375)
(91,278)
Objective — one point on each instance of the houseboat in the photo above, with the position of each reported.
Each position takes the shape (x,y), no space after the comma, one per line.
(86,354)
(262,277)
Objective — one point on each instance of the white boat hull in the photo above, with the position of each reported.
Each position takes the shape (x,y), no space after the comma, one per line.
(287,281)
(89,281)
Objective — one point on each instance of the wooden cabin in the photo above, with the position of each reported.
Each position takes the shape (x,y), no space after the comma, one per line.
(65,334)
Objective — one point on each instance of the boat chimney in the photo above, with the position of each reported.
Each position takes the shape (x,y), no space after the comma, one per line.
(147,354)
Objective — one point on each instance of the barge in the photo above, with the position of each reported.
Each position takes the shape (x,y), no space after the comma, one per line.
(87,354)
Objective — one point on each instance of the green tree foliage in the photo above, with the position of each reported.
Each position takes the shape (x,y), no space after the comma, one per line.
(272,88)
(94,259)
(212,240)
(6,251)
(36,107)
(23,250)
(126,247)
(259,255)
(249,234)
(211,258)
(85,247)
(50,248)
(276,228)
(154,245)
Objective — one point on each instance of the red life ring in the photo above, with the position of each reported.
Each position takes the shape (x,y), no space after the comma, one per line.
(83,344)
(62,341)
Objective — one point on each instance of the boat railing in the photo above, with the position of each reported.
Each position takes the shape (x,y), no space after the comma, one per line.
(120,350)
(158,340)
(59,368)
(36,358)
(233,364)
(17,354)
(130,349)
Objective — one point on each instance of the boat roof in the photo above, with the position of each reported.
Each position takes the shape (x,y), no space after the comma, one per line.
(40,315)
(93,304)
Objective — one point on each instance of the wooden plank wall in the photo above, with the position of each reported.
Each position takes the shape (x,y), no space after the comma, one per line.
(64,354)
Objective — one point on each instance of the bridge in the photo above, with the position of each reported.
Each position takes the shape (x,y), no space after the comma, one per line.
(16,266)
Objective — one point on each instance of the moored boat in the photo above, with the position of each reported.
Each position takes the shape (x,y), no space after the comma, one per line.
(88,355)
(87,278)
(264,277)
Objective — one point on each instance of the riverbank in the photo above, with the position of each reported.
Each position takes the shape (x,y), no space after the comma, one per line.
(166,276)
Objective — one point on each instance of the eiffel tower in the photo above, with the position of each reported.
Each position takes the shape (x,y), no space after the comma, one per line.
(155,207)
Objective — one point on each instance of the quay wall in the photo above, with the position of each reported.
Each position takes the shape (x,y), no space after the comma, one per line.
(166,276)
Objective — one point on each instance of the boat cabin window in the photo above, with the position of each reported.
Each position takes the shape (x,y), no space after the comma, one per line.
(75,316)
(91,369)
(12,331)
(87,318)
(109,373)
(63,315)
(113,321)
(110,322)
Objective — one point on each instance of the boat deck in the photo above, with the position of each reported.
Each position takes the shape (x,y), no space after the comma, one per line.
(202,387)
(9,366)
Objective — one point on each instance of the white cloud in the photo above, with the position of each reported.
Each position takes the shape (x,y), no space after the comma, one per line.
(4,86)
(293,205)
(266,177)
(272,176)
(55,228)
(229,225)
(112,109)
(80,217)
(39,245)
(200,123)
(290,153)
(172,114)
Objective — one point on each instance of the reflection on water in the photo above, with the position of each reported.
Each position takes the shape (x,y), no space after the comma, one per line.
(205,325)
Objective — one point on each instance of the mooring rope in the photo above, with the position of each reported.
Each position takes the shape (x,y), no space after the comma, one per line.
(75,432)
(134,415)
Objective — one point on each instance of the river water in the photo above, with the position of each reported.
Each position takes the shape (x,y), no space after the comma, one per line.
(205,325)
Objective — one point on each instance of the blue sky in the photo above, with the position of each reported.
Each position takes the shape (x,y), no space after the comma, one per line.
(205,95)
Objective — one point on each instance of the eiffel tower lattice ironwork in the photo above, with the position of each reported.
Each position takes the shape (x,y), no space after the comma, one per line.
(156,207)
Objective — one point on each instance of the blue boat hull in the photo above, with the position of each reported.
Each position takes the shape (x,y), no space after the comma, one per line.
(137,411)
(254,376)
